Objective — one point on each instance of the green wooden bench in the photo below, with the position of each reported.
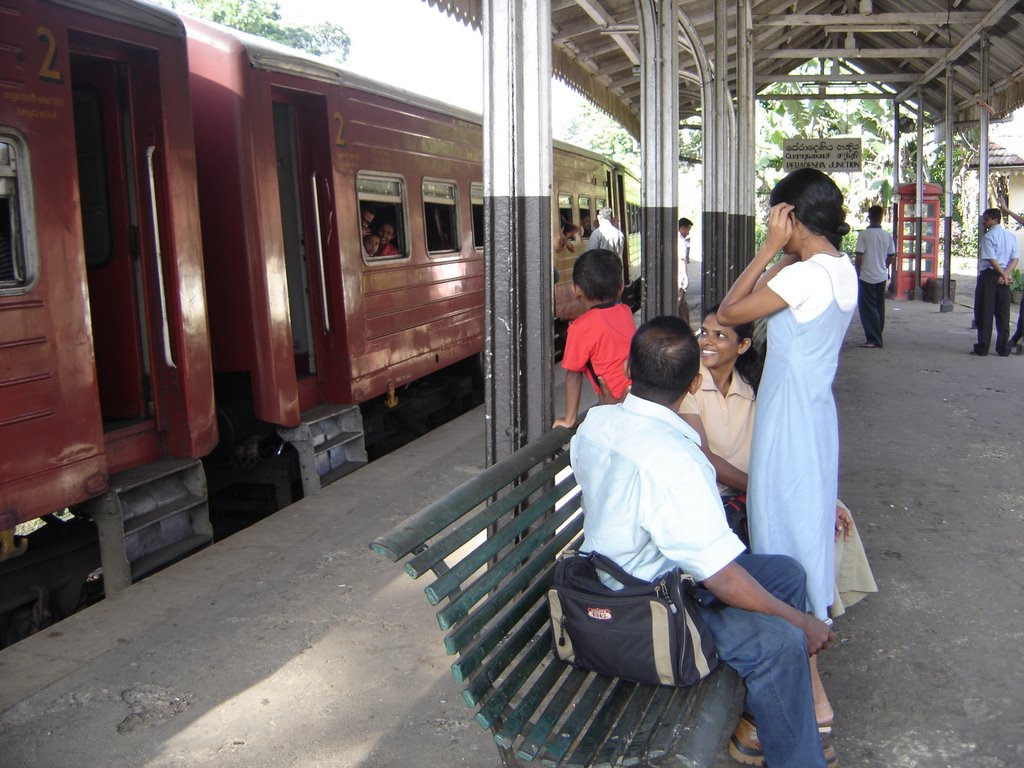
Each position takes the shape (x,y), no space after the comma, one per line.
(492,544)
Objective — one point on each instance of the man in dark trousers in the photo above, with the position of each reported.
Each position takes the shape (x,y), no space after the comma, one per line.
(992,294)
(874,252)
(1015,340)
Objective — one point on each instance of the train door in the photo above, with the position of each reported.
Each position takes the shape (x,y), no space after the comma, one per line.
(305,187)
(295,239)
(108,187)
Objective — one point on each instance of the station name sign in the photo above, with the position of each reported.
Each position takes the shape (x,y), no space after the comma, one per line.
(824,154)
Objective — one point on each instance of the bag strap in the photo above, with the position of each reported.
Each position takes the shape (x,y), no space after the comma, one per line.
(616,571)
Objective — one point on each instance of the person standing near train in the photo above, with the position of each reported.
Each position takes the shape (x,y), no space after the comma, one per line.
(597,343)
(607,236)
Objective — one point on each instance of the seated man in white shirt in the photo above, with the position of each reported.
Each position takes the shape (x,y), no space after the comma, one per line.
(651,504)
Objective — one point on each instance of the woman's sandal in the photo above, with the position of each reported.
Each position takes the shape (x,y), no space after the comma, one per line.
(824,728)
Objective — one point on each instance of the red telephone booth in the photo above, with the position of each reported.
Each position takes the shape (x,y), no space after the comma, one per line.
(906,238)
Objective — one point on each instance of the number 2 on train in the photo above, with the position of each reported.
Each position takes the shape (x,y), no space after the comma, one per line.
(339,138)
(46,71)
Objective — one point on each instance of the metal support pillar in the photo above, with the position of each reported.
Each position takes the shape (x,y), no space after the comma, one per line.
(946,305)
(659,159)
(518,314)
(895,217)
(983,45)
(722,259)
(918,291)
(745,153)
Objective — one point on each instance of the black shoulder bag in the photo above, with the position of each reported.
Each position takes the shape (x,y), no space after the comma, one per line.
(646,632)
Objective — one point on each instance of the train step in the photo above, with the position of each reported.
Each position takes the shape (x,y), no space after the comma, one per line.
(329,442)
(150,517)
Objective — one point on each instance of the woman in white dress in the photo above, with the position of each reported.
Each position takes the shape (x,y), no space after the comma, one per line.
(809,297)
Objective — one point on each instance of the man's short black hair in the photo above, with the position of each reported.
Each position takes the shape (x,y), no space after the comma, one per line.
(685,222)
(663,359)
(993,213)
(876,213)
(598,273)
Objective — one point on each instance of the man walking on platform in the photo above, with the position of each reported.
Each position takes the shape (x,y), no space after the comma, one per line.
(607,235)
(992,294)
(874,250)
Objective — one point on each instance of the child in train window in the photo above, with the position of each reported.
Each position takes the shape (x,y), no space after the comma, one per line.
(386,233)
(367,217)
(370,244)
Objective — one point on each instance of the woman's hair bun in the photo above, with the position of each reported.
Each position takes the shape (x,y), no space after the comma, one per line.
(843,229)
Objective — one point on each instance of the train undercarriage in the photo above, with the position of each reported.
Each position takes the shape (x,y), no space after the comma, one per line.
(49,572)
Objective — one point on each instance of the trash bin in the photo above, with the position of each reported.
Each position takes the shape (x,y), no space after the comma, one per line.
(933,290)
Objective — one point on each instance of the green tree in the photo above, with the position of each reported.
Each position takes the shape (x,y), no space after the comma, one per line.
(593,129)
(263,19)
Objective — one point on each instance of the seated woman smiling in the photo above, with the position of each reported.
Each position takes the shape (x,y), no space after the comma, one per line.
(722,410)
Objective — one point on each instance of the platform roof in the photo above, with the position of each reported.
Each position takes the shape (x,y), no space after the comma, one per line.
(894,48)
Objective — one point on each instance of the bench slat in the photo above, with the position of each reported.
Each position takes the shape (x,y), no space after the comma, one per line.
(636,750)
(533,565)
(502,538)
(586,749)
(519,716)
(535,655)
(410,535)
(666,730)
(712,703)
(541,729)
(614,747)
(557,747)
(481,644)
(442,547)
(524,635)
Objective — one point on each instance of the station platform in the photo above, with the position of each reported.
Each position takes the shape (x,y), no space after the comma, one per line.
(292,645)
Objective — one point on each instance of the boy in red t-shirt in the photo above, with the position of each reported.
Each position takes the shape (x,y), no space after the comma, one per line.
(598,340)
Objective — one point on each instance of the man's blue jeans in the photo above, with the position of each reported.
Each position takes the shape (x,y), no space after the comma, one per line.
(770,654)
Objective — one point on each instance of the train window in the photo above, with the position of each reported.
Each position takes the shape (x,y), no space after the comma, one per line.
(476,197)
(565,209)
(19,261)
(382,212)
(633,218)
(601,203)
(586,223)
(440,216)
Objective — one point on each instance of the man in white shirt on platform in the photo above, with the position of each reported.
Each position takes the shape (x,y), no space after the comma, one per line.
(874,252)
(651,504)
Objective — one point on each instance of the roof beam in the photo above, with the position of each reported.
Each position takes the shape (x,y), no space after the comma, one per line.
(827,96)
(867,20)
(997,12)
(856,53)
(850,77)
(604,19)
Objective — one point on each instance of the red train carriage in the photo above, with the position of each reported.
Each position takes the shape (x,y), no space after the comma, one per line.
(306,321)
(584,183)
(104,356)
(343,233)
